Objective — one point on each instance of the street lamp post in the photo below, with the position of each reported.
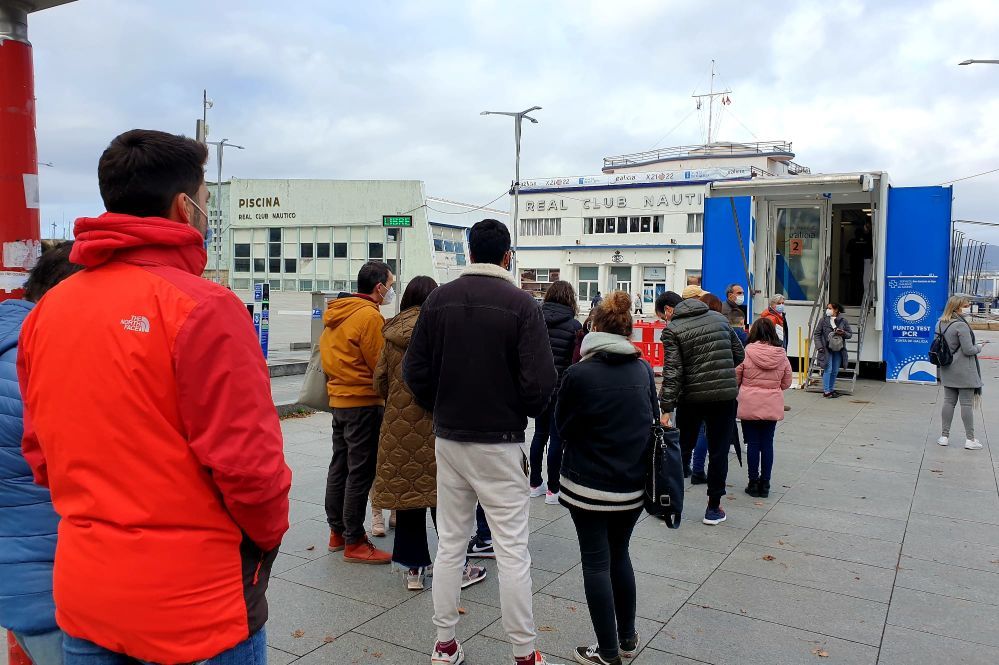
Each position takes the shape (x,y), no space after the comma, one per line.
(979,62)
(220,147)
(518,119)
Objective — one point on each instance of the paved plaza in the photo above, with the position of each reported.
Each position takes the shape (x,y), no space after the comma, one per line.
(876,546)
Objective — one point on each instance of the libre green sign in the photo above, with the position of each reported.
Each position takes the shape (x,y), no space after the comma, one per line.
(397,221)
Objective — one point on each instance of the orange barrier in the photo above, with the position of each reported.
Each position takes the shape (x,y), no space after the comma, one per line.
(649,345)
(16,655)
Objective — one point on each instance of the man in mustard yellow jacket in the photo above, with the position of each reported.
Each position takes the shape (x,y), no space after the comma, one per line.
(350,346)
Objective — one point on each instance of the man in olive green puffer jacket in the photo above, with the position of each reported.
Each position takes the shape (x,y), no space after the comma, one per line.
(701,351)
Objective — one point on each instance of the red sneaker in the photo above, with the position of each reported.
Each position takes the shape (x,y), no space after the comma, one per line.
(337,542)
(364,552)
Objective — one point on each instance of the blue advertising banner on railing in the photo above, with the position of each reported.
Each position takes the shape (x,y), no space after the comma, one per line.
(917,261)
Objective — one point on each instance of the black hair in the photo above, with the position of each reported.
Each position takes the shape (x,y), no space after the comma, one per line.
(143,170)
(371,275)
(417,291)
(838,307)
(53,267)
(764,330)
(731,287)
(667,299)
(489,241)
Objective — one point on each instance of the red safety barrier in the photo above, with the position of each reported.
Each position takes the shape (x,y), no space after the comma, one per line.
(15,654)
(649,345)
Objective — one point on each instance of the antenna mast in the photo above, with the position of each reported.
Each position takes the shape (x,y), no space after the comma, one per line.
(711,99)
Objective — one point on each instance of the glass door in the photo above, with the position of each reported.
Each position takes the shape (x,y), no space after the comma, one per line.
(800,245)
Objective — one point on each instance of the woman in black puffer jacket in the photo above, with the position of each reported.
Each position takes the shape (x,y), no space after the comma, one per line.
(559,309)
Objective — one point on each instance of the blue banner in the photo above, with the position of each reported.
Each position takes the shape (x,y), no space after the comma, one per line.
(917,261)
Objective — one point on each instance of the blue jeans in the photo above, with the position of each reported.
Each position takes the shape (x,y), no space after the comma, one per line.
(44,649)
(834,360)
(481,525)
(759,438)
(252,651)
(545,429)
(700,453)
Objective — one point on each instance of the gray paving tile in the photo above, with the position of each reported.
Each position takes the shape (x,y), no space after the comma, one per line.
(316,614)
(867,526)
(817,572)
(308,539)
(910,647)
(552,553)
(562,527)
(379,585)
(791,605)
(299,511)
(658,597)
(871,551)
(720,637)
(483,650)
(947,528)
(487,592)
(274,657)
(410,624)
(945,580)
(685,564)
(943,615)
(302,435)
(318,447)
(981,505)
(356,649)
(651,656)
(692,534)
(285,562)
(846,499)
(564,625)
(954,552)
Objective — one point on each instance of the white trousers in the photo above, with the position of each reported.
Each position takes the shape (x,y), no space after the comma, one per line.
(492,474)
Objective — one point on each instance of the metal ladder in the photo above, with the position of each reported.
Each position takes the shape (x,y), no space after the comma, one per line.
(846,379)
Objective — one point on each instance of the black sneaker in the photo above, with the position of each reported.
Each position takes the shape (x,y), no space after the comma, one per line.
(482,549)
(753,488)
(630,647)
(686,471)
(698,478)
(591,656)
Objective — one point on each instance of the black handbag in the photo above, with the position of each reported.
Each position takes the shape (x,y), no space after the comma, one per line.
(664,474)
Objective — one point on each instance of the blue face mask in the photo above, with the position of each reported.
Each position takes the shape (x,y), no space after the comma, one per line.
(780,308)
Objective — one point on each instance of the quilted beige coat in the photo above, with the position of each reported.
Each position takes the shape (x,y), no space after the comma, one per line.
(407,469)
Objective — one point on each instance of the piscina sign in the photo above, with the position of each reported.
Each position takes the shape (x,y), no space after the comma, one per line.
(917,256)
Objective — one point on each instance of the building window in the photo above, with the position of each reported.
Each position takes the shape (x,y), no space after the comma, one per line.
(275,284)
(546,226)
(260,265)
(242,251)
(241,284)
(241,265)
(587,225)
(693,277)
(695,222)
(275,265)
(622,224)
(635,224)
(619,225)
(289,284)
(340,285)
(798,261)
(291,265)
(588,276)
(322,285)
(438,245)
(322,250)
(339,250)
(393,235)
(308,250)
(305,285)
(392,266)
(646,225)
(376,250)
(274,250)
(275,235)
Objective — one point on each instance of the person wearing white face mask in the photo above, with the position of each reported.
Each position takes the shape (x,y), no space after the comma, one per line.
(962,378)
(830,340)
(775,312)
(735,298)
(350,346)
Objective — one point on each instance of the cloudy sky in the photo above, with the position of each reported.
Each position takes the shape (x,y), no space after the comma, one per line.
(393,89)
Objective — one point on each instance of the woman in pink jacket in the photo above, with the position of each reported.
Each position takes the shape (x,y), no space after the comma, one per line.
(763,377)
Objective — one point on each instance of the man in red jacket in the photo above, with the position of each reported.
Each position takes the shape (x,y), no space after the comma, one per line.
(148,414)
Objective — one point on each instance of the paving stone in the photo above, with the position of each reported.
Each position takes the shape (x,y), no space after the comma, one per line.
(982,506)
(299,511)
(943,615)
(410,624)
(910,647)
(953,552)
(302,536)
(796,606)
(720,637)
(564,625)
(356,649)
(867,526)
(285,562)
(274,657)
(487,591)
(317,614)
(693,535)
(685,564)
(552,553)
(658,597)
(871,551)
(947,528)
(298,436)
(945,580)
(318,448)
(482,650)
(817,572)
(650,656)
(874,457)
(379,585)
(562,527)
(849,500)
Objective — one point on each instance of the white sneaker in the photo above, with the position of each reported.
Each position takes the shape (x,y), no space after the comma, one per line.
(973,444)
(440,658)
(472,575)
(539,490)
(943,441)
(551,498)
(414,579)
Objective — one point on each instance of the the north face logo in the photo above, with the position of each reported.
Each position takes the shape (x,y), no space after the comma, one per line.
(136,324)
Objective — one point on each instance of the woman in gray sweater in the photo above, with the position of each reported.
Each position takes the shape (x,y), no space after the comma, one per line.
(962,378)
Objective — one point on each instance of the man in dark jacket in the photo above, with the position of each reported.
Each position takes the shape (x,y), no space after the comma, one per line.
(701,352)
(480,360)
(28,523)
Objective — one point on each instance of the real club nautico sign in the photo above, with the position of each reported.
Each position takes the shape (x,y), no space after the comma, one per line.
(637,179)
(649,201)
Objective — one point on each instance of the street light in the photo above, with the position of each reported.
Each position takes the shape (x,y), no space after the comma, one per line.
(220,147)
(518,119)
(979,62)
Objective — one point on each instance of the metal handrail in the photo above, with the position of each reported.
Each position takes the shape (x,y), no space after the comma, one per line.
(817,309)
(759,147)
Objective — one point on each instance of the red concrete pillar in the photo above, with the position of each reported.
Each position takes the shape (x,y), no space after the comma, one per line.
(19,222)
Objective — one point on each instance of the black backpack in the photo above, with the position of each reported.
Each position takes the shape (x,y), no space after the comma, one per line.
(941,354)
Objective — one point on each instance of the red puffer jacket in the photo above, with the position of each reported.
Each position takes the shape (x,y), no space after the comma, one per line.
(148,413)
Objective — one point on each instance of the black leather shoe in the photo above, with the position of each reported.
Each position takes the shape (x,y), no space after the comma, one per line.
(686,471)
(698,478)
(764,491)
(753,488)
